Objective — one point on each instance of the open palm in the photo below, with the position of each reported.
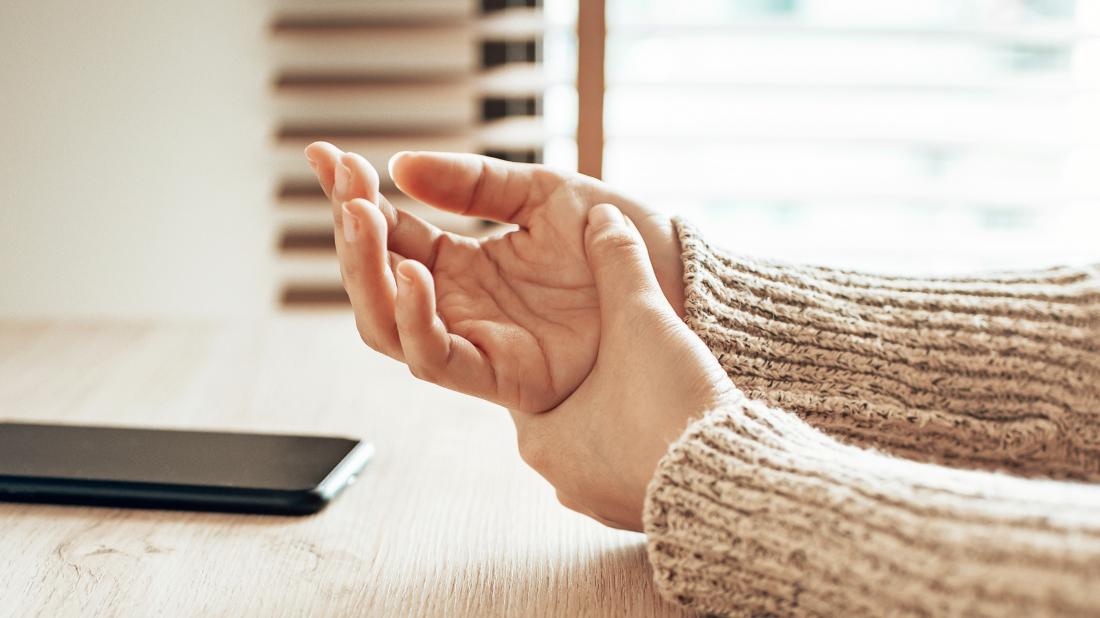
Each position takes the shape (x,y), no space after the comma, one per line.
(513,318)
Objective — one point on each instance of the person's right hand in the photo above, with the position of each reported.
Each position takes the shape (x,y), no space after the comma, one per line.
(653,376)
(514,319)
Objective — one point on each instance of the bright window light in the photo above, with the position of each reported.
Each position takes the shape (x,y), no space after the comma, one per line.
(900,135)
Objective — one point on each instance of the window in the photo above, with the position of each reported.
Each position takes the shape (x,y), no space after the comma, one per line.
(894,135)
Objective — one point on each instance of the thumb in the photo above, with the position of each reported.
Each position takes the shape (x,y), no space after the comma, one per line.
(619,261)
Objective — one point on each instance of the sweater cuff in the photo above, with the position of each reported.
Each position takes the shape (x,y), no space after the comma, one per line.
(754,512)
(998,371)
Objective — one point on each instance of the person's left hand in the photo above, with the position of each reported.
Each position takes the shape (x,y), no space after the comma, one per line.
(512,318)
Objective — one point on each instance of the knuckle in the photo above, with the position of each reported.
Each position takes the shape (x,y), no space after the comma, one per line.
(568,502)
(365,334)
(349,269)
(391,349)
(532,450)
(422,372)
(368,340)
(616,242)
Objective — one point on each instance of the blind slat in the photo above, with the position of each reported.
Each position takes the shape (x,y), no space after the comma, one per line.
(377,78)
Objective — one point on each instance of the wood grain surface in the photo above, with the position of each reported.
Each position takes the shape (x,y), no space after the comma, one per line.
(445,521)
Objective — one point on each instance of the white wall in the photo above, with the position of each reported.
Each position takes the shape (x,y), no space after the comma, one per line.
(133,159)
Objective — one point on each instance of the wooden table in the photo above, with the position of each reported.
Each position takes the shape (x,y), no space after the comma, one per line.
(446,520)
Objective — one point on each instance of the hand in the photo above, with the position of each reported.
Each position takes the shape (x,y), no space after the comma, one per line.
(563,321)
(513,319)
(652,376)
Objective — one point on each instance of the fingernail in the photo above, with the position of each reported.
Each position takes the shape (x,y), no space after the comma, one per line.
(388,212)
(401,274)
(394,158)
(351,224)
(343,179)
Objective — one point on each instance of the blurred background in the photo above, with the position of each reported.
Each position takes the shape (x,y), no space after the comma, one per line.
(152,164)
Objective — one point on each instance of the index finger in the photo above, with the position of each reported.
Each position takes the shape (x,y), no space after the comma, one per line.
(474,185)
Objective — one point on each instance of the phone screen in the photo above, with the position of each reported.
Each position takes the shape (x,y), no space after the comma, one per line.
(173,464)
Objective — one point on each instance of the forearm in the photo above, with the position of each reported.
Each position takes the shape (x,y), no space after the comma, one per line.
(755,512)
(1001,372)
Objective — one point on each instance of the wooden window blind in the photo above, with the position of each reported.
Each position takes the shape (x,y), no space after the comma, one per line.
(388,75)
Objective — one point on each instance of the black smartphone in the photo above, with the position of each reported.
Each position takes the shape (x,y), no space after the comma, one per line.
(169,469)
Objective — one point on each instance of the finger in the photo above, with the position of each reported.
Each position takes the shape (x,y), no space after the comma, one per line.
(334,177)
(347,186)
(474,185)
(363,174)
(619,261)
(323,158)
(368,278)
(431,352)
(423,336)
(409,235)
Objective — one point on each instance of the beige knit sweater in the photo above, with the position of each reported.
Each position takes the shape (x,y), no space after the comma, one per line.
(754,511)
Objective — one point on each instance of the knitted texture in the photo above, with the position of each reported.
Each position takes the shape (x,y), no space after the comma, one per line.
(998,372)
(755,512)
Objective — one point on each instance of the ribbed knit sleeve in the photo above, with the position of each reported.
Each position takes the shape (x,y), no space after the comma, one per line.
(754,512)
(993,372)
